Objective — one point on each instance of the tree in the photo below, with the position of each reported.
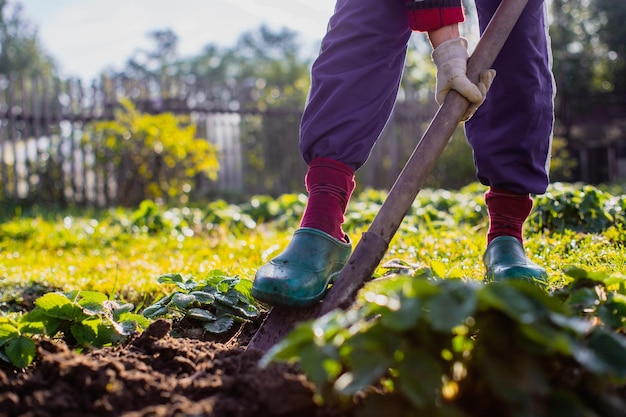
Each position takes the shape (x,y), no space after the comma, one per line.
(580,56)
(612,15)
(268,71)
(20,49)
(159,62)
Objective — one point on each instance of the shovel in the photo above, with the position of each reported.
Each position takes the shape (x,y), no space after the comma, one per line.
(374,243)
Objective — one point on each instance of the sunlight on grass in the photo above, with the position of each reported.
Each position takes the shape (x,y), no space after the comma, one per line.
(128,269)
(122,253)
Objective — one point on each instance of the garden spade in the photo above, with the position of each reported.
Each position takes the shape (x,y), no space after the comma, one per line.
(375,241)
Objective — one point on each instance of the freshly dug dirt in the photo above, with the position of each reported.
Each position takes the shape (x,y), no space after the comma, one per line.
(156,375)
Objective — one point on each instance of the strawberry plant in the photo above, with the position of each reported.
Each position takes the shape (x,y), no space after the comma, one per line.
(216,301)
(577,207)
(81,318)
(417,345)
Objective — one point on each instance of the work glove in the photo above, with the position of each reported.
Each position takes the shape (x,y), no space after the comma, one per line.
(450,58)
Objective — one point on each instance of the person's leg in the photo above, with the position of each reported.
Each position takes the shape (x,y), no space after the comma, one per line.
(354,84)
(511,136)
(355,80)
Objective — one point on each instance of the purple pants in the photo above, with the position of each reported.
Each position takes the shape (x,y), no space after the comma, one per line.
(355,80)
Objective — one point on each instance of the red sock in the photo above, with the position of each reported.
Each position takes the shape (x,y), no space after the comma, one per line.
(507,213)
(330,185)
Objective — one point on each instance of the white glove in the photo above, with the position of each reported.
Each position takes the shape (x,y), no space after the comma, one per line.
(450,58)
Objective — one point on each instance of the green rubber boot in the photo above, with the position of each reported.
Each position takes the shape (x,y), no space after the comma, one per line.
(300,275)
(505,259)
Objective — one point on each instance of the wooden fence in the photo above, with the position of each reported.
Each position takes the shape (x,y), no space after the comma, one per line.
(44,158)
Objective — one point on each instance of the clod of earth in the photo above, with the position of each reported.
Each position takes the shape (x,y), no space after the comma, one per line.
(155,374)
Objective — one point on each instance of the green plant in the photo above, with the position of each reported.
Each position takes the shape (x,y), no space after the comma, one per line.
(215,302)
(150,218)
(83,318)
(159,156)
(414,345)
(578,207)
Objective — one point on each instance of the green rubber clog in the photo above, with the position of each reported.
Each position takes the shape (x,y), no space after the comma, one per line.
(300,275)
(505,259)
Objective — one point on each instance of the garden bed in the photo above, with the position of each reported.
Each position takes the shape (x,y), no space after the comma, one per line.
(155,374)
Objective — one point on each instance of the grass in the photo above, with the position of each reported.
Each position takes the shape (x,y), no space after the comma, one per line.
(108,251)
(127,266)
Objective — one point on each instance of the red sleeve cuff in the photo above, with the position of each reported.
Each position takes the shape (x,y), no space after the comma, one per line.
(426,20)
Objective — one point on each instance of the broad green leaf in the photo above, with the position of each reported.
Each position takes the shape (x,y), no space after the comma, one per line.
(617,282)
(182,300)
(575,272)
(32,323)
(542,302)
(128,327)
(235,312)
(405,317)
(21,351)
(244,287)
(599,276)
(289,349)
(140,320)
(92,301)
(117,308)
(214,276)
(422,288)
(109,335)
(611,348)
(581,274)
(164,301)
(503,297)
(244,310)
(86,332)
(8,331)
(179,280)
(310,362)
(438,268)
(613,315)
(231,298)
(549,338)
(170,279)
(367,368)
(423,272)
(203,297)
(575,324)
(451,307)
(109,332)
(582,299)
(201,314)
(155,311)
(221,325)
(227,284)
(57,305)
(36,317)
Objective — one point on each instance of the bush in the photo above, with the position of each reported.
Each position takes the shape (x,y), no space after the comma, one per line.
(155,156)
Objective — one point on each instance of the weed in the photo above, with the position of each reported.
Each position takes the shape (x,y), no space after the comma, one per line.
(216,301)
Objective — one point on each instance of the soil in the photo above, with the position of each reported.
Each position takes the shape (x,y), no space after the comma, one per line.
(155,374)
